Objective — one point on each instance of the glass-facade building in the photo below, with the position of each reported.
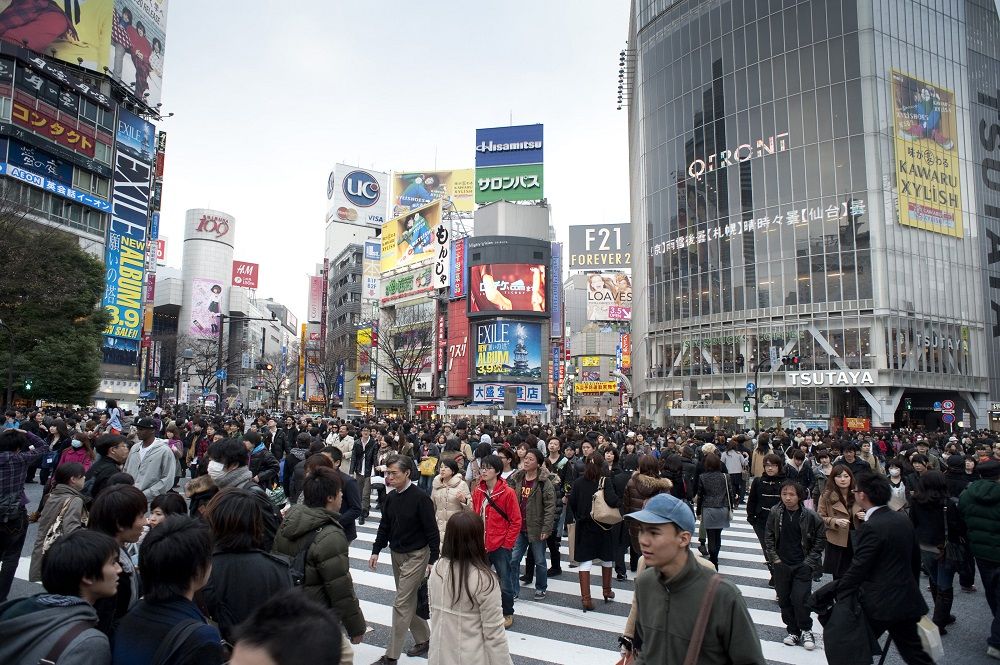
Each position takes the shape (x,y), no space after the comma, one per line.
(806,182)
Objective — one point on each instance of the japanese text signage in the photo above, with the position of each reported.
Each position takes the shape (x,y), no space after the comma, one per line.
(927,179)
(494,392)
(523,182)
(557,290)
(509,164)
(596,246)
(125,249)
(590,361)
(370,271)
(65,132)
(245,274)
(457,288)
(409,284)
(55,187)
(592,387)
(413,189)
(38,161)
(442,256)
(511,349)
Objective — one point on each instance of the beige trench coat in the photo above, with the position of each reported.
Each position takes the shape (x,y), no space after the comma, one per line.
(445,497)
(463,632)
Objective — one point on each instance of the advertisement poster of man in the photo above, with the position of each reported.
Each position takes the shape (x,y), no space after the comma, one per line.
(609,297)
(125,36)
(206,304)
(409,238)
(927,179)
(511,349)
(507,287)
(456,188)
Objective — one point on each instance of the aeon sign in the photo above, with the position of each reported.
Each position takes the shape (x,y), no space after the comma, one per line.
(213,224)
(741,153)
(361,189)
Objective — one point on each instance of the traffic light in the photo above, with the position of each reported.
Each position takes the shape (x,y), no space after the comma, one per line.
(790,361)
(27,384)
(746,406)
(908,403)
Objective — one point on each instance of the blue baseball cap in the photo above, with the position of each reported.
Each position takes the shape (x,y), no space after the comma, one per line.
(663,509)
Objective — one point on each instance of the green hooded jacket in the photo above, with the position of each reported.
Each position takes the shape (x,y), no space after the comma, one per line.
(980,507)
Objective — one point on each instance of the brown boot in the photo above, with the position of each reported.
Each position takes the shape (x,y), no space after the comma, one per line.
(588,604)
(609,595)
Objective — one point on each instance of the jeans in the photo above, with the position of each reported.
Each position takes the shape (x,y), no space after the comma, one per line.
(538,552)
(793,584)
(941,573)
(989,572)
(12,536)
(426,483)
(500,560)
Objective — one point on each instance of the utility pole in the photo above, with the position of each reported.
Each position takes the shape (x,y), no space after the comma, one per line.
(9,402)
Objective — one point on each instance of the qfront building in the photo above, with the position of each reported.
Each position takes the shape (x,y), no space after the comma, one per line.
(815,194)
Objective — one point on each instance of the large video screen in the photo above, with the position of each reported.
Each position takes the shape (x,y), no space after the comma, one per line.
(507,288)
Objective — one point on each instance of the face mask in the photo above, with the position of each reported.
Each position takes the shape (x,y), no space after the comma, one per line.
(76,443)
(215,469)
(893,472)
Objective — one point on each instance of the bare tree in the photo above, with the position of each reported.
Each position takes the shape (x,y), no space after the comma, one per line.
(324,362)
(275,378)
(404,348)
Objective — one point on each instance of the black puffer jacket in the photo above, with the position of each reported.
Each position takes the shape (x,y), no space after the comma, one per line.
(241,582)
(765,493)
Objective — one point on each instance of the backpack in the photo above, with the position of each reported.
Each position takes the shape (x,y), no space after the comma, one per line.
(297,568)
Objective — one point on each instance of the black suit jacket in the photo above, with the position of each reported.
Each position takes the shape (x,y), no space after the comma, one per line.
(350,507)
(886,569)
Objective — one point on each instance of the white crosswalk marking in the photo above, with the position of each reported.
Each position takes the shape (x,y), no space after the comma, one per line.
(556,630)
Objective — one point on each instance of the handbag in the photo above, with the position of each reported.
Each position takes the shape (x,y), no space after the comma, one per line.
(953,553)
(930,638)
(601,512)
(428,467)
(277,496)
(729,500)
(56,528)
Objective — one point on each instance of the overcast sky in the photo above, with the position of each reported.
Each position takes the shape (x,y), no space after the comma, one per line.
(268,96)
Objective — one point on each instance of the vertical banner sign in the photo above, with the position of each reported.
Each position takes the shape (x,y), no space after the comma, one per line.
(340,380)
(315,309)
(554,381)
(442,257)
(458,350)
(303,379)
(125,249)
(457,288)
(626,353)
(927,180)
(370,271)
(556,329)
(440,342)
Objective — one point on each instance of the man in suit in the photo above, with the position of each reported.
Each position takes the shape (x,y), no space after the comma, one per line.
(362,462)
(886,569)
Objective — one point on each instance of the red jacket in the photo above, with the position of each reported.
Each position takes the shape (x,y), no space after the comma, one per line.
(499,532)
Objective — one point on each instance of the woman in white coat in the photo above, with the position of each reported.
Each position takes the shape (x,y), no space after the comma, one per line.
(466,617)
(449,493)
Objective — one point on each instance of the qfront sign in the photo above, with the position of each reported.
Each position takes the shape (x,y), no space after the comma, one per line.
(743,152)
(859,378)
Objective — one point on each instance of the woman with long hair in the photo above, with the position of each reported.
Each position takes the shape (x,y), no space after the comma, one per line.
(760,451)
(619,533)
(841,516)
(593,540)
(644,484)
(507,456)
(714,501)
(79,451)
(58,437)
(937,524)
(464,598)
(449,492)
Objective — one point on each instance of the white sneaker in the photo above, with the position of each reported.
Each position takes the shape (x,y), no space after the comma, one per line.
(808,642)
(791,640)
(993,652)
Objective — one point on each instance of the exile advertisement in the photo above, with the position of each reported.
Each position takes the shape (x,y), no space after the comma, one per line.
(511,349)
(507,287)
(927,180)
(206,305)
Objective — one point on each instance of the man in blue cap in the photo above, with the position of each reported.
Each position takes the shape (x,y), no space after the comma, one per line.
(672,589)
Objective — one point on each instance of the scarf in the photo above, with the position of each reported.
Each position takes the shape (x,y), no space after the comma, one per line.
(260,447)
(234,478)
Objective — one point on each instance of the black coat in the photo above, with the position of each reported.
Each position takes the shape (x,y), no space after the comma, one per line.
(363,456)
(265,467)
(350,507)
(241,582)
(844,624)
(592,540)
(886,569)
(99,474)
(284,441)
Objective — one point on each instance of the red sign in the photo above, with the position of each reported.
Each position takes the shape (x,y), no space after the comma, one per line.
(857,424)
(457,353)
(440,343)
(245,274)
(425,408)
(161,249)
(65,132)
(150,286)
(315,310)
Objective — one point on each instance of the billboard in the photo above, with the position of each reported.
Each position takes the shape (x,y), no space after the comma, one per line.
(927,169)
(556,329)
(511,349)
(457,288)
(597,246)
(410,238)
(412,189)
(65,132)
(494,392)
(521,182)
(245,274)
(595,387)
(206,305)
(401,287)
(504,146)
(357,196)
(626,344)
(507,287)
(609,297)
(370,271)
(126,37)
(125,249)
(314,311)
(136,136)
(38,168)
(457,354)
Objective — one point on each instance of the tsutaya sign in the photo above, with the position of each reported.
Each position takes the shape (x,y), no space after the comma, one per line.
(741,153)
(851,377)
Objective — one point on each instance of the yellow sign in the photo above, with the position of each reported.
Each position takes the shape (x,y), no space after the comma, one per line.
(927,179)
(412,189)
(590,387)
(590,361)
(409,238)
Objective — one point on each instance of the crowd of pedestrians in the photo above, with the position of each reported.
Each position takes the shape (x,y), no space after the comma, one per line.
(177,537)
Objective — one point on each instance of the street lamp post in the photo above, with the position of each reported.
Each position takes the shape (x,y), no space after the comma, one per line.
(10,367)
(188,356)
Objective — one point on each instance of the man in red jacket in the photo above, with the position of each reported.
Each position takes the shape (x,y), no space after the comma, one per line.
(497,504)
